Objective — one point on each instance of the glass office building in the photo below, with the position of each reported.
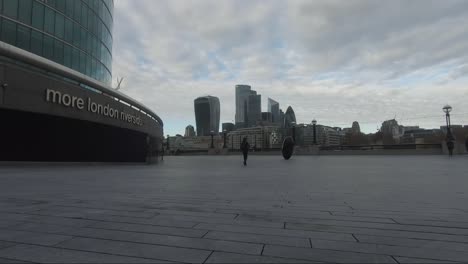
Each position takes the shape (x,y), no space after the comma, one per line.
(74,33)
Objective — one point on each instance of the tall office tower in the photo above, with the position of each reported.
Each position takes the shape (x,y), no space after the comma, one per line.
(254,111)
(189,131)
(242,97)
(274,109)
(228,127)
(289,117)
(281,118)
(207,115)
(356,129)
(56,71)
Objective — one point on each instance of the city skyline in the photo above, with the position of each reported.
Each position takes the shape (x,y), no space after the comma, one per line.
(382,65)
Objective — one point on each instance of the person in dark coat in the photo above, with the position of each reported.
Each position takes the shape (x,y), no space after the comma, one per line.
(245,146)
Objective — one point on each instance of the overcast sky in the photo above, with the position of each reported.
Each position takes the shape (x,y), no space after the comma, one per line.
(335,61)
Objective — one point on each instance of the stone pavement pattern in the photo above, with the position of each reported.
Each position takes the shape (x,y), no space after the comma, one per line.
(341,209)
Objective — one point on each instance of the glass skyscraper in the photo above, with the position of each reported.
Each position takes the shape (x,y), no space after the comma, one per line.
(74,33)
(207,115)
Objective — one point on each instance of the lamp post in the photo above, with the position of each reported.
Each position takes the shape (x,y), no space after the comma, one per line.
(447,109)
(314,126)
(212,135)
(294,131)
(224,134)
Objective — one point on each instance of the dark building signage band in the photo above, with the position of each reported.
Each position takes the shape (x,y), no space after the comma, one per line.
(67,100)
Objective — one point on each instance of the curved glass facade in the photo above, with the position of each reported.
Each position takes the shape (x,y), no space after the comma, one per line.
(74,33)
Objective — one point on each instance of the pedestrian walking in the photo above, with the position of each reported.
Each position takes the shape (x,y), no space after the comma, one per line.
(245,146)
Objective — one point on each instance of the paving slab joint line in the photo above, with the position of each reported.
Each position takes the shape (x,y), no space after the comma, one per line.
(310,242)
(205,234)
(396,222)
(395,259)
(211,253)
(237,215)
(105,253)
(66,240)
(263,248)
(357,240)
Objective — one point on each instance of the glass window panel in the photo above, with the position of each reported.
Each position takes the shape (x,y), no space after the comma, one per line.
(9,32)
(10,8)
(82,62)
(76,34)
(93,68)
(59,25)
(67,56)
(51,3)
(49,23)
(38,15)
(60,5)
(48,49)
(83,39)
(75,59)
(84,15)
(36,42)
(88,65)
(24,38)
(68,30)
(24,14)
(89,40)
(58,51)
(77,11)
(69,4)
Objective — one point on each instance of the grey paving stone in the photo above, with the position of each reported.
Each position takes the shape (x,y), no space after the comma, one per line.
(191,213)
(430,253)
(12,261)
(418,243)
(43,228)
(144,221)
(4,244)
(275,232)
(187,232)
(31,237)
(263,239)
(55,255)
(379,232)
(83,212)
(63,221)
(222,257)
(395,227)
(307,220)
(137,250)
(237,221)
(314,254)
(403,260)
(432,223)
(177,241)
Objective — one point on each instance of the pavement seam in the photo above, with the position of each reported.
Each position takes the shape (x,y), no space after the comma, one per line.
(263,248)
(208,257)
(395,259)
(357,240)
(310,242)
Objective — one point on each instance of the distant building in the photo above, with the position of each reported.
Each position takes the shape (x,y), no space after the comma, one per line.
(207,115)
(228,127)
(391,132)
(274,109)
(356,129)
(265,137)
(325,135)
(189,131)
(419,135)
(242,97)
(267,117)
(254,110)
(289,117)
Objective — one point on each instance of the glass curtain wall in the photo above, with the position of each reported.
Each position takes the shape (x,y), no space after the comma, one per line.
(74,33)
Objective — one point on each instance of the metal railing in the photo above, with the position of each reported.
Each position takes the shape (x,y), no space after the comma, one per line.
(54,68)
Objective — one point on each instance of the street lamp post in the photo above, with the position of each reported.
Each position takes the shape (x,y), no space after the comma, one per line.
(224,134)
(212,135)
(450,145)
(314,126)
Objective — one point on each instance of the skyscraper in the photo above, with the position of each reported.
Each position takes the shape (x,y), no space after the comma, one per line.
(242,97)
(254,111)
(274,109)
(189,131)
(207,115)
(289,117)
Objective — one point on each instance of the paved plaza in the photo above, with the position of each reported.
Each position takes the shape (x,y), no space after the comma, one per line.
(202,209)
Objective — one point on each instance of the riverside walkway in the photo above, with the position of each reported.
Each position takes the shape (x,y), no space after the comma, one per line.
(211,209)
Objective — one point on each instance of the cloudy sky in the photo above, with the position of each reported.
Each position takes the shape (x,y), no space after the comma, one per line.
(335,61)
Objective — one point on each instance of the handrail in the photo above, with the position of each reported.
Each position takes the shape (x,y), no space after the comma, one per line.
(43,63)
